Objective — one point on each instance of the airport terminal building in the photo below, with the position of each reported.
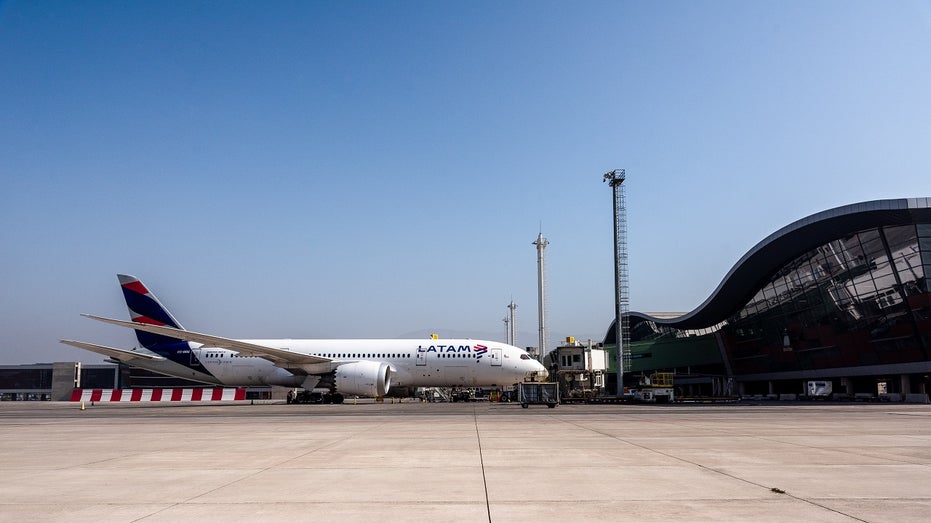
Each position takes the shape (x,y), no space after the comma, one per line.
(841,296)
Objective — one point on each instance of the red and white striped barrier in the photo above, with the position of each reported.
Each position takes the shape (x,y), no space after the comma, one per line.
(198,394)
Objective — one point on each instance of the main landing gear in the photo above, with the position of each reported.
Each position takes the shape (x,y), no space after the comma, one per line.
(307,396)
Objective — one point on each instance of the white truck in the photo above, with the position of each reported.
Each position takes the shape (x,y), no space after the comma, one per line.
(655,388)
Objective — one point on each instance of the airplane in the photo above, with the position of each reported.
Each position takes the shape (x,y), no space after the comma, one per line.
(343,367)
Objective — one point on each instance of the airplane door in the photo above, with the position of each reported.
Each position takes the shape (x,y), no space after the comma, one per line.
(495,357)
(421,358)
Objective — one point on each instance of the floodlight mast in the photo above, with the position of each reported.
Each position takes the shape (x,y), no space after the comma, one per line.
(616,179)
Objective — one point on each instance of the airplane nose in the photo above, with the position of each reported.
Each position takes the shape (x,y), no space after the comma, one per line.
(540,370)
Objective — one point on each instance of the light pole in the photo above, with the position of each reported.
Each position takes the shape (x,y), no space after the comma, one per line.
(541,244)
(512,323)
(616,179)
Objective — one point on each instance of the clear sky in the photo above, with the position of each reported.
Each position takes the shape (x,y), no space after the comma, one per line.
(375,169)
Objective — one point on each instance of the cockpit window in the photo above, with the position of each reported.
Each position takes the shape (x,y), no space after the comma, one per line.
(525,356)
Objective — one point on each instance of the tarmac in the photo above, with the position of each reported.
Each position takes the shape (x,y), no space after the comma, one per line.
(475,462)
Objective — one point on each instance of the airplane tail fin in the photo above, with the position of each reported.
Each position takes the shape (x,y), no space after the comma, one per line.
(144,307)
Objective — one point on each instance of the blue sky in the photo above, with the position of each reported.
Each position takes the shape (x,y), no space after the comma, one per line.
(373,169)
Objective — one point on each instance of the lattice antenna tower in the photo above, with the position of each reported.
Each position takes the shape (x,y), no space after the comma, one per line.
(621,291)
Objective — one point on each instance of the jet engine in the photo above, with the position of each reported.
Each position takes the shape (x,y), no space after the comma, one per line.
(363,378)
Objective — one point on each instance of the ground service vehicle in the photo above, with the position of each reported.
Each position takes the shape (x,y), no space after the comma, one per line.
(536,393)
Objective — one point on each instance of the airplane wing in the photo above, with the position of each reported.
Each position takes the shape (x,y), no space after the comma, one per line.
(123,355)
(281,357)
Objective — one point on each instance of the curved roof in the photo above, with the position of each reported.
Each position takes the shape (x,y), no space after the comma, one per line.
(756,267)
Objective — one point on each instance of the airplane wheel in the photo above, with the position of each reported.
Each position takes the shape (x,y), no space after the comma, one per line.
(337,398)
(524,406)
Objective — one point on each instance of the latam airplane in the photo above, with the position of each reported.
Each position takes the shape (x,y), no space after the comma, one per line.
(360,367)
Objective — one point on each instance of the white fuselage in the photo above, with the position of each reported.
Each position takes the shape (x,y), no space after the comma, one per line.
(414,363)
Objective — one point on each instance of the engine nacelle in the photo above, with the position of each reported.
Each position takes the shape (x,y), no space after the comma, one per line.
(363,378)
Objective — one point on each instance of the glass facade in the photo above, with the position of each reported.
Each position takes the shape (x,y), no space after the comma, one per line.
(859,300)
(99,377)
(26,378)
(853,306)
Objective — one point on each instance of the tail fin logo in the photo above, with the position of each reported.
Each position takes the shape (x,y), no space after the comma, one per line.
(134,285)
(144,307)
